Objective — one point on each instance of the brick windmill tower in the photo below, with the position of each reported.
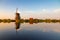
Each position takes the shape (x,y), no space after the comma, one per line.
(17,17)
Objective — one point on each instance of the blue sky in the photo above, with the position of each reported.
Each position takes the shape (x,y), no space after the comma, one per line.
(30,8)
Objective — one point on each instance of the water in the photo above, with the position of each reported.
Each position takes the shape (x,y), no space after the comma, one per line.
(26,31)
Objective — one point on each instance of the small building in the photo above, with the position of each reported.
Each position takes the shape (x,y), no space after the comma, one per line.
(31,20)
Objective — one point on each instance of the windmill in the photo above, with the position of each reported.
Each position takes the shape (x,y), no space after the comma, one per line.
(17,18)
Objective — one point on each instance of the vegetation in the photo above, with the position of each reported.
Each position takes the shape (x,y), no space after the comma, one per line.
(0,20)
(31,20)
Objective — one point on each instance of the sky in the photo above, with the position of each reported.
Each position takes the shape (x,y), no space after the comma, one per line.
(40,9)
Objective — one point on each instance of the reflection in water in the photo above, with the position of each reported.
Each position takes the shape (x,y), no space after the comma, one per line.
(17,26)
(40,31)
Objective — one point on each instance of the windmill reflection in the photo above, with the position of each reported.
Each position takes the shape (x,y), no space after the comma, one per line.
(17,26)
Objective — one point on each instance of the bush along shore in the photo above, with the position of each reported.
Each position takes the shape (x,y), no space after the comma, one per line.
(31,20)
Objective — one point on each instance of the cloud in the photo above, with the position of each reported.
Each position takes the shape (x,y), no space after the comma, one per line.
(44,13)
(56,11)
(28,12)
